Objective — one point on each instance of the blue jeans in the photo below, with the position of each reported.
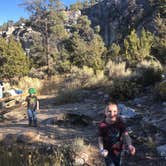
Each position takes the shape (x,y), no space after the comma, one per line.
(113,160)
(32,117)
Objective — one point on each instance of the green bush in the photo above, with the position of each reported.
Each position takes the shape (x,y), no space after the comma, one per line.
(123,89)
(149,72)
(69,96)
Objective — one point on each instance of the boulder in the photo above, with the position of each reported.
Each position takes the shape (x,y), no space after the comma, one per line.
(162,150)
(126,112)
(28,136)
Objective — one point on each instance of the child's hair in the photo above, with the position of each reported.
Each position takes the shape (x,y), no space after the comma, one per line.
(112,102)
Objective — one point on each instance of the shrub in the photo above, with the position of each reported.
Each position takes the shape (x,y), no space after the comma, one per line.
(161,90)
(123,89)
(149,72)
(52,85)
(36,73)
(85,77)
(69,96)
(81,74)
(43,155)
(76,81)
(70,153)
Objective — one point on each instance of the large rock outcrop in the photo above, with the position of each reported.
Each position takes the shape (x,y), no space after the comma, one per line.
(117,17)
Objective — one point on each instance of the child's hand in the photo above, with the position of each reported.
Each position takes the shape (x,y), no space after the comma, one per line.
(104,152)
(131,149)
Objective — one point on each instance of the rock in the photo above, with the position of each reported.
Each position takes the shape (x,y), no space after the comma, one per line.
(126,112)
(139,101)
(52,136)
(28,136)
(69,118)
(164,104)
(100,93)
(15,115)
(116,17)
(162,150)
(139,105)
(10,104)
(106,96)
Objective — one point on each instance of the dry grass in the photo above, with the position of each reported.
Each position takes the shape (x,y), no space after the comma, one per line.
(52,85)
(88,153)
(117,70)
(74,83)
(42,86)
(149,64)
(27,82)
(84,78)
(67,154)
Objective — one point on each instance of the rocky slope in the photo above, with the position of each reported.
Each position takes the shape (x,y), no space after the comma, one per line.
(117,17)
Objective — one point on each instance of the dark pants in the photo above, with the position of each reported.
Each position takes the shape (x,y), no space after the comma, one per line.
(113,160)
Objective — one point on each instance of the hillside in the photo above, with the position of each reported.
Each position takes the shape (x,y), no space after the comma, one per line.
(78,60)
(117,17)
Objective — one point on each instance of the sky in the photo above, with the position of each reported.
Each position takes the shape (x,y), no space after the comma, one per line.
(10,10)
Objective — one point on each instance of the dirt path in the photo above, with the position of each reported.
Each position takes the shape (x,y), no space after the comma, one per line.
(48,130)
(55,128)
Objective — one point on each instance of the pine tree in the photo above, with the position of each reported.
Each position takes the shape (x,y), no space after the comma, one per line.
(137,48)
(48,18)
(84,46)
(14,62)
(159,47)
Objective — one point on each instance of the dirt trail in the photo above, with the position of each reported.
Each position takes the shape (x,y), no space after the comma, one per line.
(53,128)
(49,112)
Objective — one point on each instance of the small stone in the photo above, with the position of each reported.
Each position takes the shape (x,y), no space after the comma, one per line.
(164,104)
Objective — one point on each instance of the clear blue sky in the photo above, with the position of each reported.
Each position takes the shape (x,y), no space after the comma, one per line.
(10,10)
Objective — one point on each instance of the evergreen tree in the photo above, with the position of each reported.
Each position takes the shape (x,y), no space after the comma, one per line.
(159,6)
(48,18)
(159,47)
(113,53)
(137,48)
(84,46)
(13,61)
(77,5)
(86,4)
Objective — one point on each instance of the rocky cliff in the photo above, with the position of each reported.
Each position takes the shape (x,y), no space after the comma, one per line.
(117,17)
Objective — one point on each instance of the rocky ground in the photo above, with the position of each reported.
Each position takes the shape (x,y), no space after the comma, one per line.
(57,124)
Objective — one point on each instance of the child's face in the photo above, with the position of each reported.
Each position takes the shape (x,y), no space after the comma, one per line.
(111,111)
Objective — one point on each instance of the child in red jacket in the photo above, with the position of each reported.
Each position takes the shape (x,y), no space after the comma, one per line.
(112,136)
